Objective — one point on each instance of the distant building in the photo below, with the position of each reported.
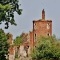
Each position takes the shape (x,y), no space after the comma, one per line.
(41,27)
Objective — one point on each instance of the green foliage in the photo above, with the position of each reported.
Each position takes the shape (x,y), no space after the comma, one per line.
(47,48)
(18,41)
(7,9)
(3,45)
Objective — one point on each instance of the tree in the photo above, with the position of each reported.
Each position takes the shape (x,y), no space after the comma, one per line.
(47,48)
(7,9)
(3,45)
(20,39)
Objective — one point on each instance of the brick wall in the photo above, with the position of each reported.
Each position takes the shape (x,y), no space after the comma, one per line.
(41,27)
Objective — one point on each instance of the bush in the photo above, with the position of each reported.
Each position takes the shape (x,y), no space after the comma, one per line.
(47,48)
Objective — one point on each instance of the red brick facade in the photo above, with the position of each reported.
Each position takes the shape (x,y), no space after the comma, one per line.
(41,27)
(31,40)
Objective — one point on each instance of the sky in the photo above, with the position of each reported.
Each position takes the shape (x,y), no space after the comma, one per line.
(32,11)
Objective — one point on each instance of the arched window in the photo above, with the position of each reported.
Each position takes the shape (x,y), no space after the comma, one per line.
(35,36)
(35,26)
(48,26)
(48,34)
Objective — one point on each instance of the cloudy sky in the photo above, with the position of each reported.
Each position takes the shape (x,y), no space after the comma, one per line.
(32,11)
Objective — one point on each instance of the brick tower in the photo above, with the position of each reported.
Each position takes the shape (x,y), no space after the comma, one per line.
(42,27)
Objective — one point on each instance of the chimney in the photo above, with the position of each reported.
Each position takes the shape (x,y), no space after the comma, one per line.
(43,14)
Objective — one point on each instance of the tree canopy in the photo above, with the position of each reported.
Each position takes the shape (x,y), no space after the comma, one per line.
(20,39)
(47,48)
(7,9)
(3,45)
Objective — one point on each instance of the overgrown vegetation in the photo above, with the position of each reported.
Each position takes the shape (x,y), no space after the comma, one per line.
(47,48)
(3,45)
(20,39)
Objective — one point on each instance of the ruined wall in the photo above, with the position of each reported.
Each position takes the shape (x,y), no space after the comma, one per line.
(41,27)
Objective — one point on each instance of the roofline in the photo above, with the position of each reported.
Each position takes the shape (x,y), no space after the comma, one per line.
(40,20)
